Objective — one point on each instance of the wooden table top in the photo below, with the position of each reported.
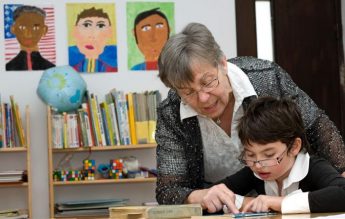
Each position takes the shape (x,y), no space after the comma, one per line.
(278,216)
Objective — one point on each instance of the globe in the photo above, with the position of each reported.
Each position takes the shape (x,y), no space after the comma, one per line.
(62,88)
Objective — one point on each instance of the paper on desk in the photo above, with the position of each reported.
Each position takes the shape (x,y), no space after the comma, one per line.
(295,216)
(314,216)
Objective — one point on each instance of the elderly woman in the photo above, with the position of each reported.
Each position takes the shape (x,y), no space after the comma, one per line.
(197,138)
(198,143)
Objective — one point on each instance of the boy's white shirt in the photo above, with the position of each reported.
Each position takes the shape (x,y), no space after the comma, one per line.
(295,201)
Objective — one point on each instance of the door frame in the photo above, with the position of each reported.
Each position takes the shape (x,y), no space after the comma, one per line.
(247,42)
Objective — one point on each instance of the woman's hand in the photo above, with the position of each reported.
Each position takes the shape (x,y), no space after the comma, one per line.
(213,199)
(264,203)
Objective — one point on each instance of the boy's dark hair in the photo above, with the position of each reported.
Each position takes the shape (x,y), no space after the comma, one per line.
(141,16)
(92,12)
(28,9)
(268,119)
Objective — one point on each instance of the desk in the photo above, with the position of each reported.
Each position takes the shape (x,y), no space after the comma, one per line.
(279,216)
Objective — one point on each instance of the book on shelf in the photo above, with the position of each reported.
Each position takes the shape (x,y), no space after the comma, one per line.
(57,122)
(12,133)
(113,118)
(72,131)
(131,118)
(156,212)
(108,128)
(86,105)
(122,115)
(11,179)
(8,126)
(2,136)
(141,115)
(14,214)
(95,119)
(150,98)
(88,125)
(93,116)
(17,121)
(81,139)
(12,176)
(153,99)
(11,173)
(65,134)
(98,207)
(81,121)
(103,141)
(115,126)
(94,203)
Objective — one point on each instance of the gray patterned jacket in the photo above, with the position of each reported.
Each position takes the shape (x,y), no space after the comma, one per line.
(180,150)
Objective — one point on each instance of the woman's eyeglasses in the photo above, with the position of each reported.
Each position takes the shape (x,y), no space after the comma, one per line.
(208,85)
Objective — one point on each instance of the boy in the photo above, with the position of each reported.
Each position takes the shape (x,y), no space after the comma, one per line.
(278,166)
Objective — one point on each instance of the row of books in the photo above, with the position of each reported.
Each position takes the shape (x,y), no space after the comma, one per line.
(11,126)
(13,176)
(121,119)
(14,214)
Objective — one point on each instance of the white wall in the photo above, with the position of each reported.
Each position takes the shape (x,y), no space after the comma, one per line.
(218,15)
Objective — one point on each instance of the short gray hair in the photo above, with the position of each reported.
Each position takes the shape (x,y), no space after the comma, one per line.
(28,9)
(195,43)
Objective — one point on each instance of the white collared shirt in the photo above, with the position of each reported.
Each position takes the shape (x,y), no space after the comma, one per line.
(295,201)
(220,150)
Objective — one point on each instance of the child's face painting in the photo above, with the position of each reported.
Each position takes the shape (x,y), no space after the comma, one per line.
(91,35)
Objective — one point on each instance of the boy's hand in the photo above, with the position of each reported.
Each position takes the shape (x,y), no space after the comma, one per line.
(214,198)
(264,203)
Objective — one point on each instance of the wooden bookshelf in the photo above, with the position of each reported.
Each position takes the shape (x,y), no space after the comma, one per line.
(14,184)
(99,149)
(81,217)
(107,181)
(12,150)
(104,148)
(22,149)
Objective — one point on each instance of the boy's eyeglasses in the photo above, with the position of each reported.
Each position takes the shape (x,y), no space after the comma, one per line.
(265,162)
